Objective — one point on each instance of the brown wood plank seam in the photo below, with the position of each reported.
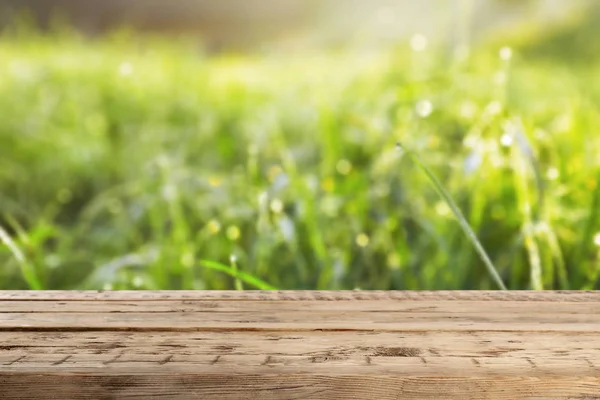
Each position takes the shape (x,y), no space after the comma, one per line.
(300,345)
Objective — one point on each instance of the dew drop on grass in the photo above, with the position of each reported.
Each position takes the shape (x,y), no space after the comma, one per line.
(343,167)
(424,108)
(52,261)
(362,240)
(506,140)
(187,259)
(137,281)
(552,173)
(505,53)
(125,69)
(442,209)
(276,206)
(418,42)
(233,233)
(394,261)
(597,239)
(214,226)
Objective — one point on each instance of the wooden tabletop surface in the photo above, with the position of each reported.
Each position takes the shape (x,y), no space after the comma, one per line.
(300,345)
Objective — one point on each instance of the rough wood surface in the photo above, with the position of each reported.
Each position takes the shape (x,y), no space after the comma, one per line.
(300,345)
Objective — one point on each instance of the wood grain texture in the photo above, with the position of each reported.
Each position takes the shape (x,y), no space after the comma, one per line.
(300,345)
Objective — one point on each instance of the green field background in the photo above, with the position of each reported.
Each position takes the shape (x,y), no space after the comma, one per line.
(129,163)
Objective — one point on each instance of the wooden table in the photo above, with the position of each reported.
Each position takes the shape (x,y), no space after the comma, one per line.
(300,345)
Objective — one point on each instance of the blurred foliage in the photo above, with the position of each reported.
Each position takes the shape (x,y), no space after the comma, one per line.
(574,39)
(129,163)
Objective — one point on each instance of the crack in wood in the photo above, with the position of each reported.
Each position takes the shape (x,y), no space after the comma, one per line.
(61,360)
(16,360)
(224,348)
(165,360)
(112,360)
(266,361)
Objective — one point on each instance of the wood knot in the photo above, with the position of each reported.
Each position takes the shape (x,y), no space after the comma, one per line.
(397,351)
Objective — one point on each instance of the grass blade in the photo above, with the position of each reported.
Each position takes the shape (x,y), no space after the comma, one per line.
(557,255)
(27,269)
(521,156)
(242,276)
(592,278)
(457,214)
(234,266)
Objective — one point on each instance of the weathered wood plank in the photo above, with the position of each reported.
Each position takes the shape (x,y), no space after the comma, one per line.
(298,321)
(300,345)
(274,387)
(292,295)
(237,306)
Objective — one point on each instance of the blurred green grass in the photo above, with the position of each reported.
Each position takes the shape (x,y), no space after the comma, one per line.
(128,164)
